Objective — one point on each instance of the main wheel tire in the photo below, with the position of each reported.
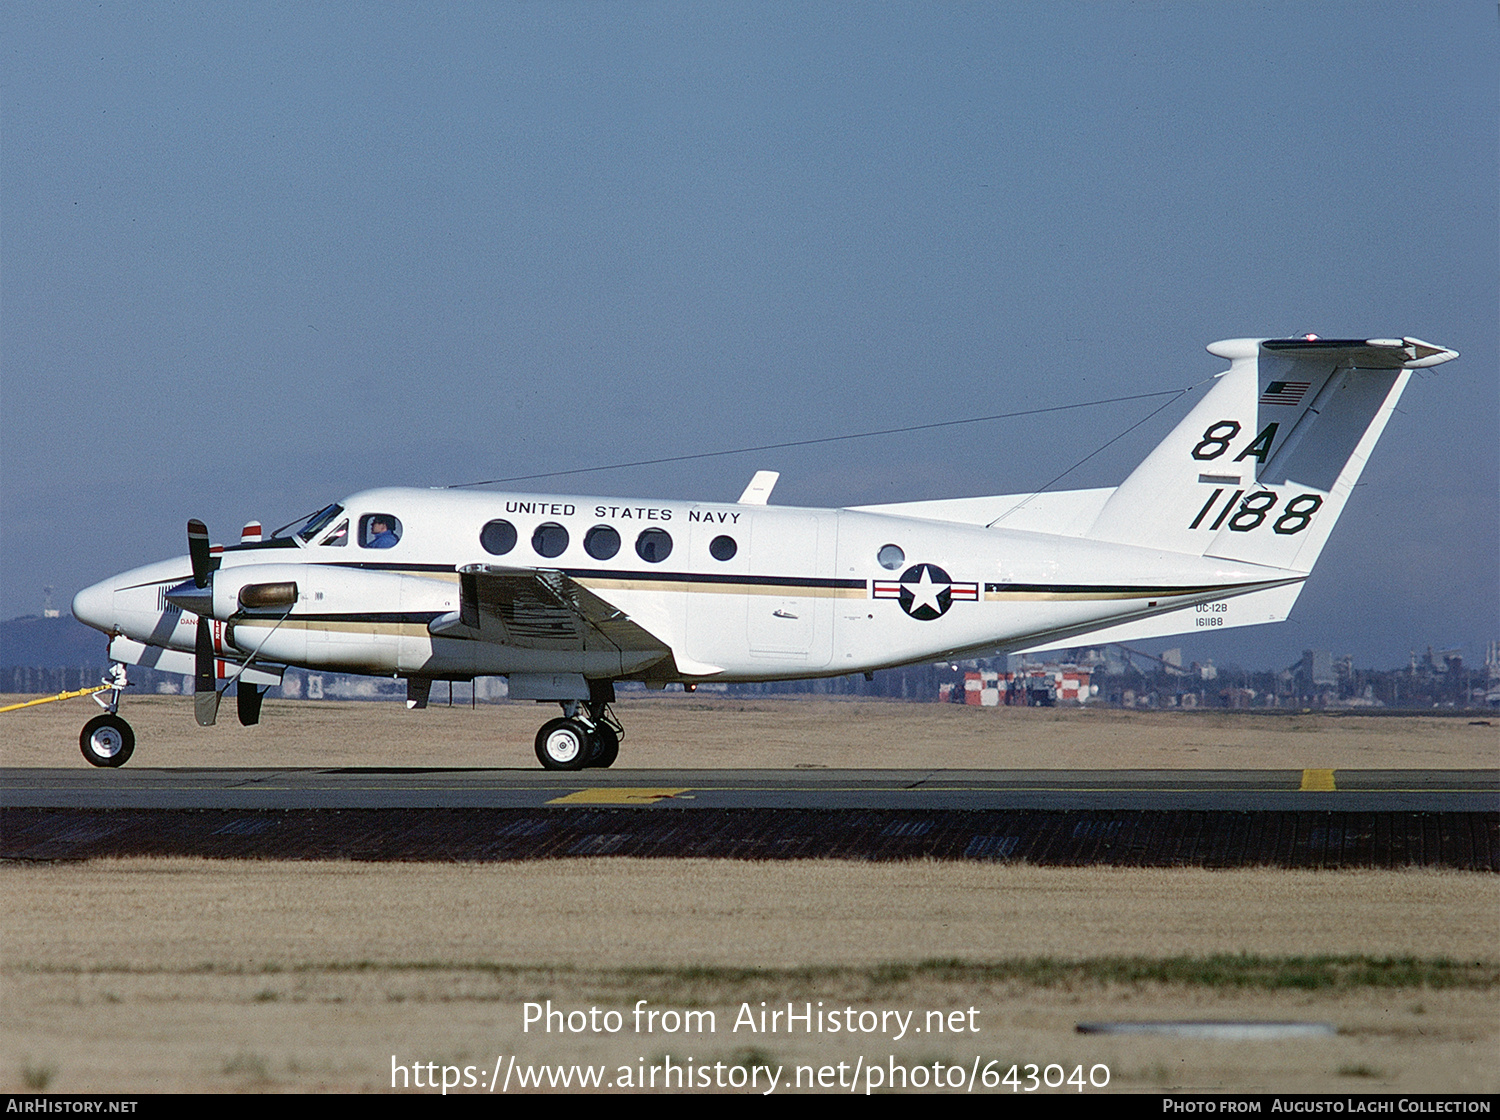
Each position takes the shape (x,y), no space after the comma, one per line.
(563,744)
(606,744)
(107,740)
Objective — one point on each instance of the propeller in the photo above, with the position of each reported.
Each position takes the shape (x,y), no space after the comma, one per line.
(197,597)
(205,687)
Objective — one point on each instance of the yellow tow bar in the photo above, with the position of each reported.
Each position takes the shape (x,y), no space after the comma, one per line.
(59,696)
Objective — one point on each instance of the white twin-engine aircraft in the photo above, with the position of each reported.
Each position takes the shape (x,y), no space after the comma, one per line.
(1218,527)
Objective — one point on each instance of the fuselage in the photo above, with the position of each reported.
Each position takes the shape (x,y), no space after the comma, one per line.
(737,592)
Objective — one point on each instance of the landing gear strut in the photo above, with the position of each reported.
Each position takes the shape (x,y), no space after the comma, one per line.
(586,735)
(108,740)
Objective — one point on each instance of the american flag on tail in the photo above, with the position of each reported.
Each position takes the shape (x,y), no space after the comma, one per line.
(1285,392)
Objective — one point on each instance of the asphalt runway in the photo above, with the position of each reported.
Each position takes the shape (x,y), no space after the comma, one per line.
(1146,818)
(1211,791)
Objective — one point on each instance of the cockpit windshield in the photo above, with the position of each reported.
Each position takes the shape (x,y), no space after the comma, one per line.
(315,524)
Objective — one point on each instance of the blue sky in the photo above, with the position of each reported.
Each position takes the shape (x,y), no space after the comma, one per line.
(254,257)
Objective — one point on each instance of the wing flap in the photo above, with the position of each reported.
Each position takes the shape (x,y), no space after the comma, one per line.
(539,608)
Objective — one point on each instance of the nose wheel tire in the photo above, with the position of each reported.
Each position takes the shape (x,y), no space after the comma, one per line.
(563,744)
(107,740)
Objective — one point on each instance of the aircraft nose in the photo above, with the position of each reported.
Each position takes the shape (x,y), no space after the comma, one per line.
(95,606)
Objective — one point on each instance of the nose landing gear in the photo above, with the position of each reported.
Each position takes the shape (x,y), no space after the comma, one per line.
(107,740)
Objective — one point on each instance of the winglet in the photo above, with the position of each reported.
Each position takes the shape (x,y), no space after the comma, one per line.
(760,488)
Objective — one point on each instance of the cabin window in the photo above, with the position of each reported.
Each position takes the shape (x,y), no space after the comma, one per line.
(653,545)
(550,539)
(379,530)
(722,548)
(498,537)
(891,557)
(601,542)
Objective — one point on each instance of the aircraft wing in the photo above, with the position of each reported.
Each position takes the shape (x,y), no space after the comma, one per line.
(543,609)
(129,652)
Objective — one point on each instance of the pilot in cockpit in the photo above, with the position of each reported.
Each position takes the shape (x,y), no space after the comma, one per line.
(381,535)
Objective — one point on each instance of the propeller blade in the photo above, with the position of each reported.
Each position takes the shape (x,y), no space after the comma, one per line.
(198,552)
(205,693)
(248,698)
(206,708)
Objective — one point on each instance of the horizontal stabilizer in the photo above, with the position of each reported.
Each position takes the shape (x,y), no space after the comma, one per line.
(1366,353)
(1254,609)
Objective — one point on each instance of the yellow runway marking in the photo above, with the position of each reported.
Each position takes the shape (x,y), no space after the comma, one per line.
(1318,780)
(618,795)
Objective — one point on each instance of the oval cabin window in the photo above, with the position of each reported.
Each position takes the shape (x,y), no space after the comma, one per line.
(498,537)
(550,539)
(653,545)
(601,542)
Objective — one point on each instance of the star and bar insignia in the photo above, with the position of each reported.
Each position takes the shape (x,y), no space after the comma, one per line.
(926,591)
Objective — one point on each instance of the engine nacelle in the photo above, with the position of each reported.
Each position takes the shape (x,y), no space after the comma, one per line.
(323,615)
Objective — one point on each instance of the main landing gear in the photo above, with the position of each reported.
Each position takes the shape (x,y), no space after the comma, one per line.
(586,735)
(107,740)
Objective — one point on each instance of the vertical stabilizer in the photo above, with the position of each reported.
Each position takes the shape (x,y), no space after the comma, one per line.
(1259,471)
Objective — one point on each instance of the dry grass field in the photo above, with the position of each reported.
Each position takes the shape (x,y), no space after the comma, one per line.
(157,975)
(709,732)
